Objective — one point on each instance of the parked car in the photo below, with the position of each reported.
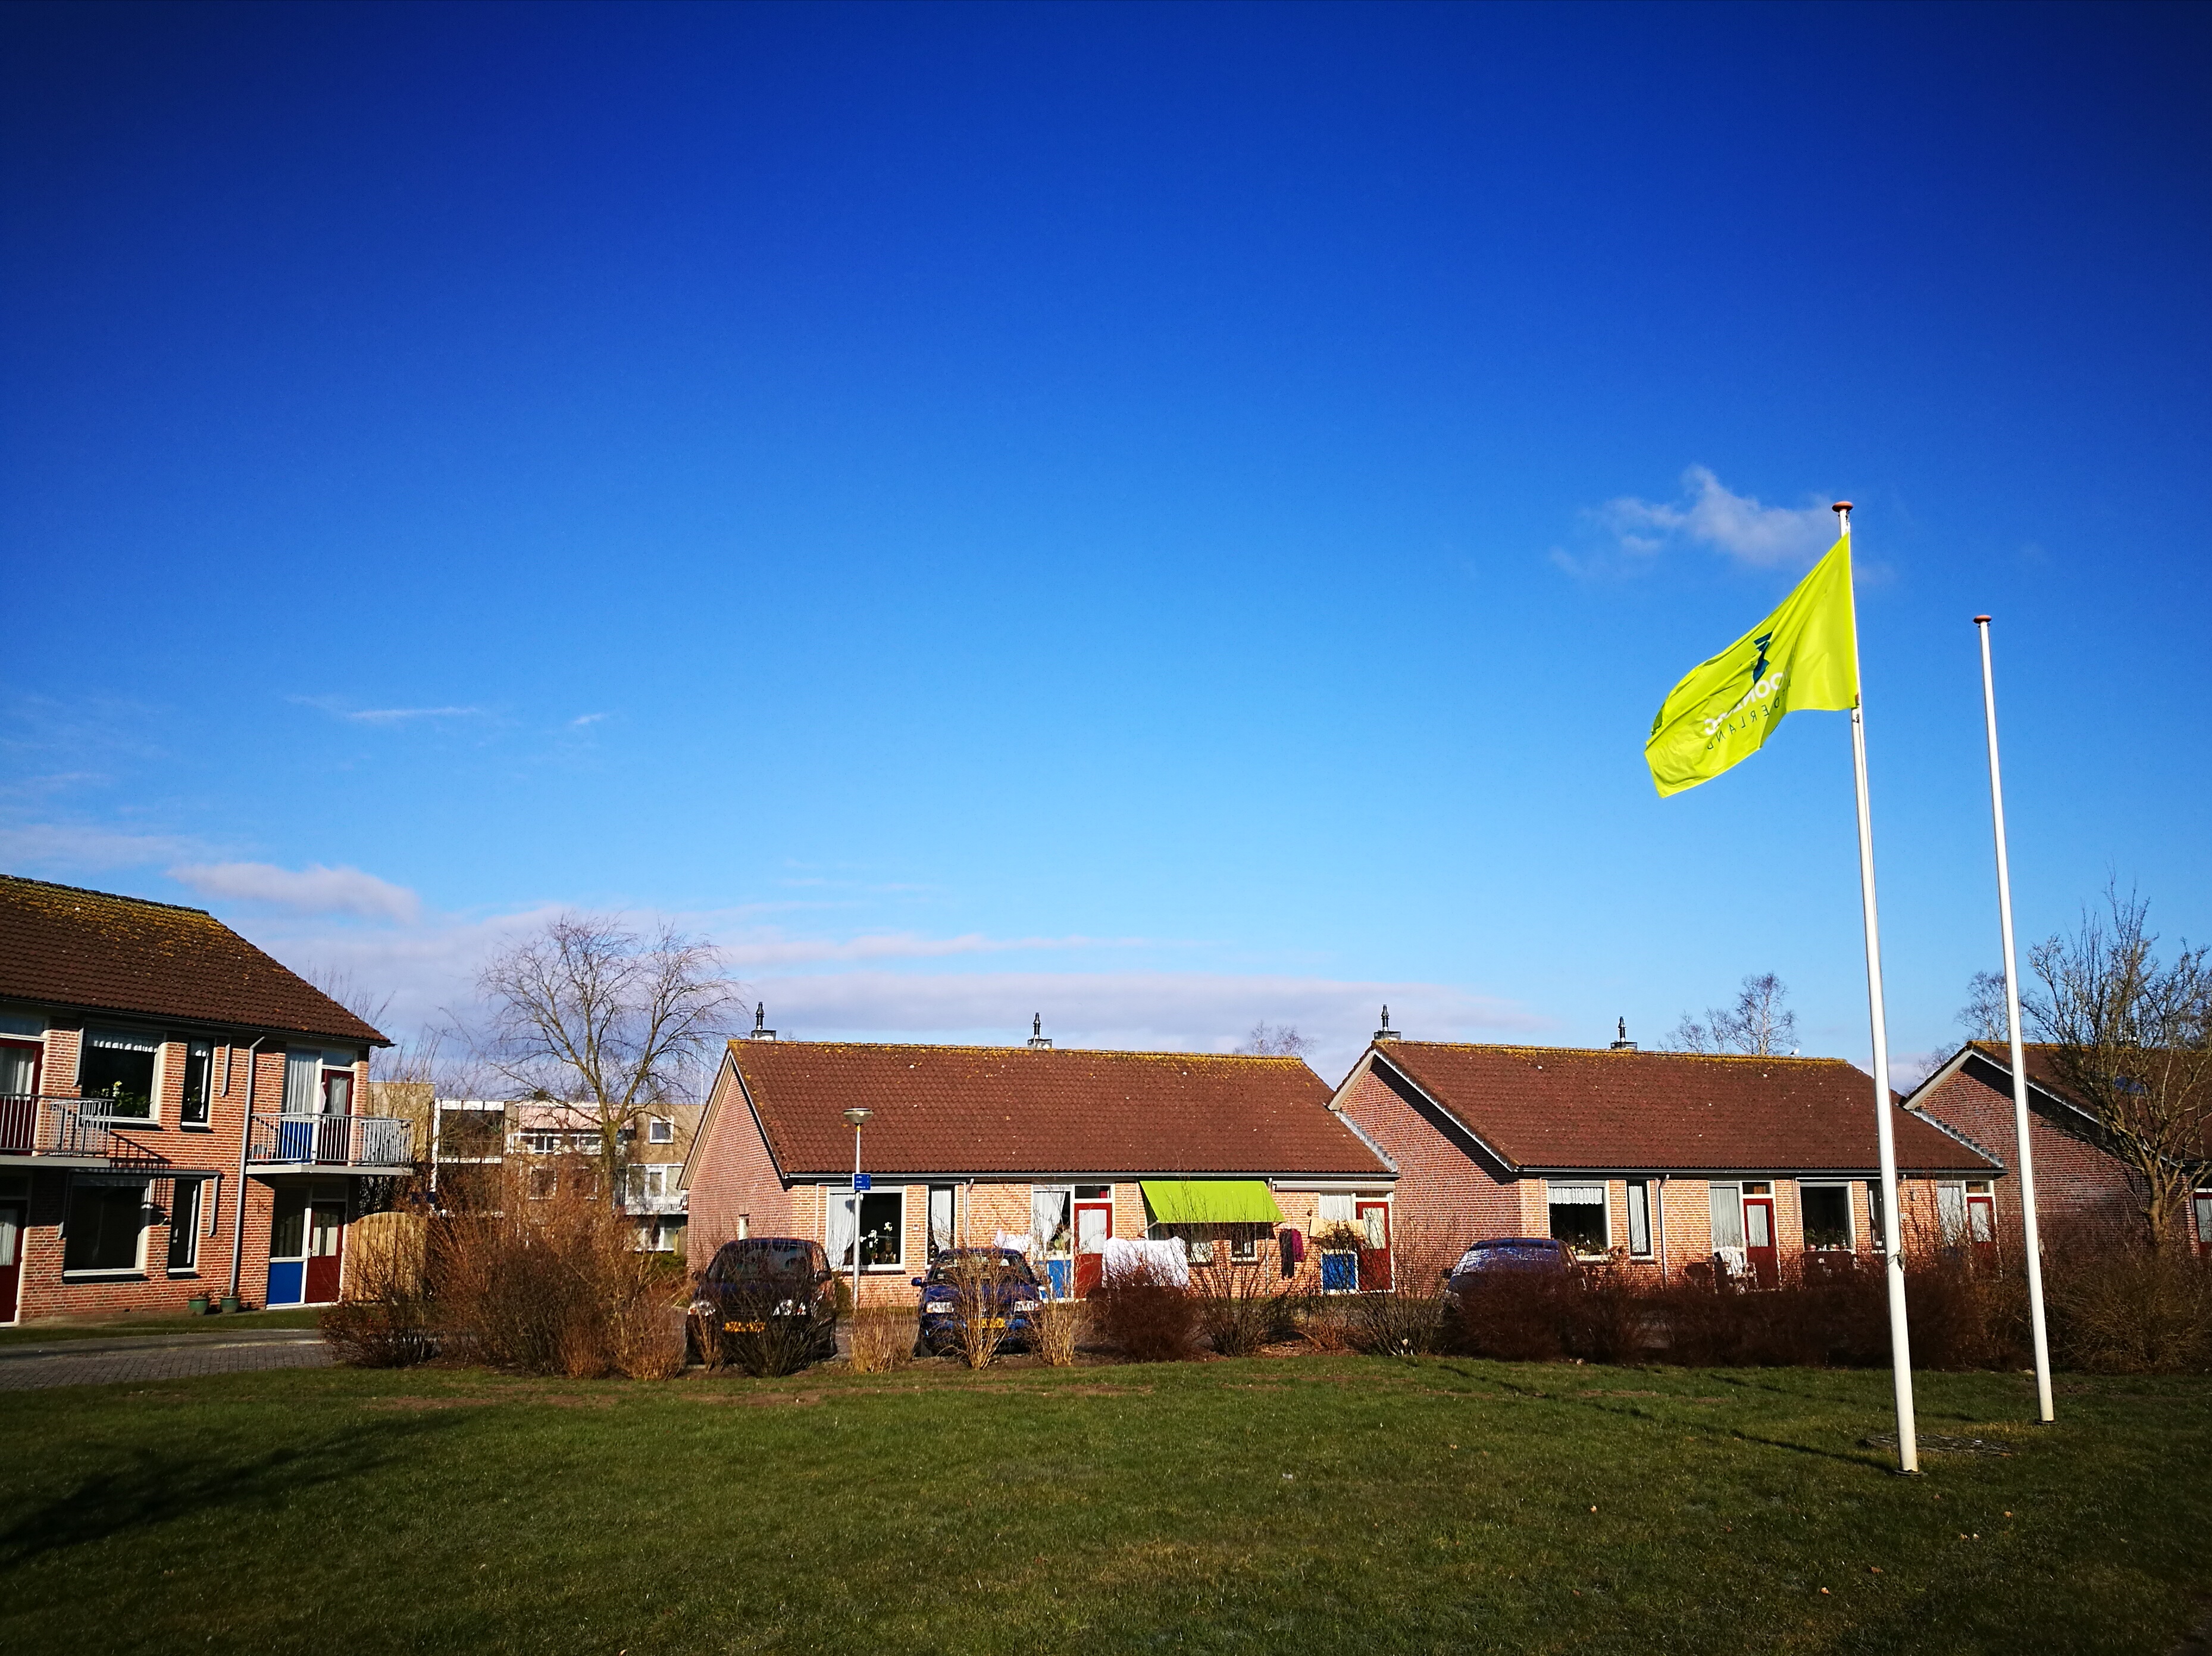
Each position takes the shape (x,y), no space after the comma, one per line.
(1543,1255)
(769,1290)
(999,1277)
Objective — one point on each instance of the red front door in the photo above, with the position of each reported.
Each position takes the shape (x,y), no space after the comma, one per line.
(1759,1252)
(1094,1224)
(325,1243)
(1374,1246)
(12,1216)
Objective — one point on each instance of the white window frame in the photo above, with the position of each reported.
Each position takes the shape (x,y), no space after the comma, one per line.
(200,1189)
(1950,1234)
(1851,1219)
(660,1130)
(843,1199)
(108,1273)
(183,1079)
(86,1042)
(1650,1188)
(1604,1204)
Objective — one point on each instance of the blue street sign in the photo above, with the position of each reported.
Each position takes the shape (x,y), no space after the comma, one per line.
(862,1181)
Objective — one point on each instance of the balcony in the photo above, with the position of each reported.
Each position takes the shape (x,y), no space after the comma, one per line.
(330,1143)
(51,1133)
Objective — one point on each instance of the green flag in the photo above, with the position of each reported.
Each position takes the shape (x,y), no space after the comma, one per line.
(1803,655)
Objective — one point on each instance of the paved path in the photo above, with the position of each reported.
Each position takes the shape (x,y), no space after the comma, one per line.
(158,1357)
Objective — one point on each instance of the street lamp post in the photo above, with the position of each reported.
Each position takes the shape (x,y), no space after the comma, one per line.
(855,1118)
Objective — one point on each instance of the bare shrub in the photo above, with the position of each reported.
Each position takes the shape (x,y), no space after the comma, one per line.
(387,1320)
(1404,1317)
(1147,1315)
(2120,1306)
(882,1339)
(985,1287)
(554,1286)
(1241,1303)
(1321,1322)
(1058,1323)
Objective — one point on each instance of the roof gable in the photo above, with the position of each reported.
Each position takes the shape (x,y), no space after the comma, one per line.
(1011,1111)
(1560,1106)
(98,952)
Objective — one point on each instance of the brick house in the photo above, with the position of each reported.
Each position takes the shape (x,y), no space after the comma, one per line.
(1971,1096)
(1060,1150)
(1665,1159)
(177,1112)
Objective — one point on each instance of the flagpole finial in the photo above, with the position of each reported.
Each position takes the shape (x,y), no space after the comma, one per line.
(1841,505)
(1981,620)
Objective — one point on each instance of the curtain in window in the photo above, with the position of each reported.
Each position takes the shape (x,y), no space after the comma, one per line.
(303,1084)
(839,1235)
(121,1041)
(1050,1221)
(1951,1210)
(1573,1195)
(1728,1216)
(1639,1216)
(19,1071)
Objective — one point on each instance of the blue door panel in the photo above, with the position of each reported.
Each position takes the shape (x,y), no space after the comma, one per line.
(286,1277)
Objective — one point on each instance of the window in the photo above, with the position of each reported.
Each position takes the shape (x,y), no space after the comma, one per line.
(185,1225)
(2203,1203)
(883,1228)
(19,1068)
(1094,1192)
(660,1131)
(1951,1211)
(941,1204)
(1578,1216)
(1639,1218)
(303,1083)
(1981,1212)
(1728,1217)
(117,1067)
(1826,1209)
(1877,1226)
(1051,1220)
(543,1182)
(337,1091)
(106,1225)
(199,1082)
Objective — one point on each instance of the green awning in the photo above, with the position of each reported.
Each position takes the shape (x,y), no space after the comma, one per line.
(1211,1202)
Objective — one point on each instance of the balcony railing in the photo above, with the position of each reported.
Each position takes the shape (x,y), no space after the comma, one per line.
(31,1126)
(639,1201)
(331,1141)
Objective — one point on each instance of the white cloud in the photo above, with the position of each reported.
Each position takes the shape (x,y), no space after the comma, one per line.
(312,891)
(1184,1012)
(1712,514)
(769,950)
(63,846)
(400,715)
(582,719)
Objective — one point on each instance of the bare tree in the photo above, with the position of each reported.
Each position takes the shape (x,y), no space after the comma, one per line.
(1758,1025)
(1982,1016)
(597,1017)
(2131,1039)
(1266,1040)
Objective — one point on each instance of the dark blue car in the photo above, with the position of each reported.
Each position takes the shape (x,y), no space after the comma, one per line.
(1544,1255)
(996,1281)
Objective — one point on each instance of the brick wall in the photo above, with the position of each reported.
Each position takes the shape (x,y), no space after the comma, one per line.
(1446,1186)
(47,1291)
(2074,1181)
(734,1186)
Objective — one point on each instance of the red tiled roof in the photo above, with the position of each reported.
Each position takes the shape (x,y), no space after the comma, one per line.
(1009,1110)
(98,952)
(1561,1106)
(2043,1073)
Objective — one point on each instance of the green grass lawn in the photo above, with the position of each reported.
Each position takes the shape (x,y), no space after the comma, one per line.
(107,1328)
(1313,1504)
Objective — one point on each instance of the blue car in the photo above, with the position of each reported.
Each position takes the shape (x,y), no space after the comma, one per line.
(998,1282)
(1543,1255)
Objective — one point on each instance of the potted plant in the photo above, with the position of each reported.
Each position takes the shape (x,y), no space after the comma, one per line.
(229,1304)
(198,1305)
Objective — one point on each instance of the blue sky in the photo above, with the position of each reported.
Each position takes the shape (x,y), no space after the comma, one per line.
(1161,517)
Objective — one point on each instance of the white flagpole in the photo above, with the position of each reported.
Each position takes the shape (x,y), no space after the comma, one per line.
(2030,1241)
(1900,1355)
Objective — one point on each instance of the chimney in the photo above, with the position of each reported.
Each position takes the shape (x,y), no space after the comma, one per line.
(1385,1033)
(1038,1042)
(760,1031)
(1622,1043)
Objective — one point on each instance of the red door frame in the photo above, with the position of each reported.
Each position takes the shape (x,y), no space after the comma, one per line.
(11,1269)
(1764,1260)
(1374,1262)
(323,1274)
(1089,1265)
(1982,1222)
(21,1125)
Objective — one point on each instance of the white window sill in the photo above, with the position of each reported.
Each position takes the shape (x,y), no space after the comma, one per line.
(122,1274)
